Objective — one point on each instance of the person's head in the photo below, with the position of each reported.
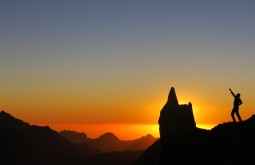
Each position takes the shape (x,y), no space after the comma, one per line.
(238,95)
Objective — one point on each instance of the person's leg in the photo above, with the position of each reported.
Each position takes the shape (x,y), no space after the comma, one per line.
(232,114)
(238,115)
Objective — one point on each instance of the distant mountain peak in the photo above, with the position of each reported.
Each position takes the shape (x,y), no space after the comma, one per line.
(149,136)
(109,136)
(5,114)
(73,136)
(7,118)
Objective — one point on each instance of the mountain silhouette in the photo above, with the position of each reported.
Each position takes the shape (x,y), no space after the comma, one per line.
(175,117)
(115,158)
(25,144)
(174,121)
(73,136)
(108,142)
(227,143)
(108,137)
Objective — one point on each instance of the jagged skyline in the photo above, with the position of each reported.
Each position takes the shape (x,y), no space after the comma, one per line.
(114,62)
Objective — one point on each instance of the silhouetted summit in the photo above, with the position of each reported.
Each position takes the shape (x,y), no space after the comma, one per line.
(174,116)
(228,143)
(174,120)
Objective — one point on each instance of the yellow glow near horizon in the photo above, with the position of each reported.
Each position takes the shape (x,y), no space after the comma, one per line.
(139,113)
(206,126)
(122,131)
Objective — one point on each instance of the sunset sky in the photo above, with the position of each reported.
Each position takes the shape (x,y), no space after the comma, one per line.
(114,61)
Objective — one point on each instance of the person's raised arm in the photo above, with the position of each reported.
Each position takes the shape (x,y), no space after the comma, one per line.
(232,92)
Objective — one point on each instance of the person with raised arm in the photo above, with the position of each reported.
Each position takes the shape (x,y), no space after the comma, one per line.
(237,103)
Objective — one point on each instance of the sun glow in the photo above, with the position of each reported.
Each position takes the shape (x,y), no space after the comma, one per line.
(206,126)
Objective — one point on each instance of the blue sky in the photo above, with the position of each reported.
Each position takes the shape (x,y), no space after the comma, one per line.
(128,52)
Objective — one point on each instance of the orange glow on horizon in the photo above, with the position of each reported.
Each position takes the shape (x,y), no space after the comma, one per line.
(122,131)
(127,119)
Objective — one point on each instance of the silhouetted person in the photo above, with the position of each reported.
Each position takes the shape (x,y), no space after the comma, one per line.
(237,102)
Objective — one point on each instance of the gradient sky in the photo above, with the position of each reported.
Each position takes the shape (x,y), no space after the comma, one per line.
(106,61)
